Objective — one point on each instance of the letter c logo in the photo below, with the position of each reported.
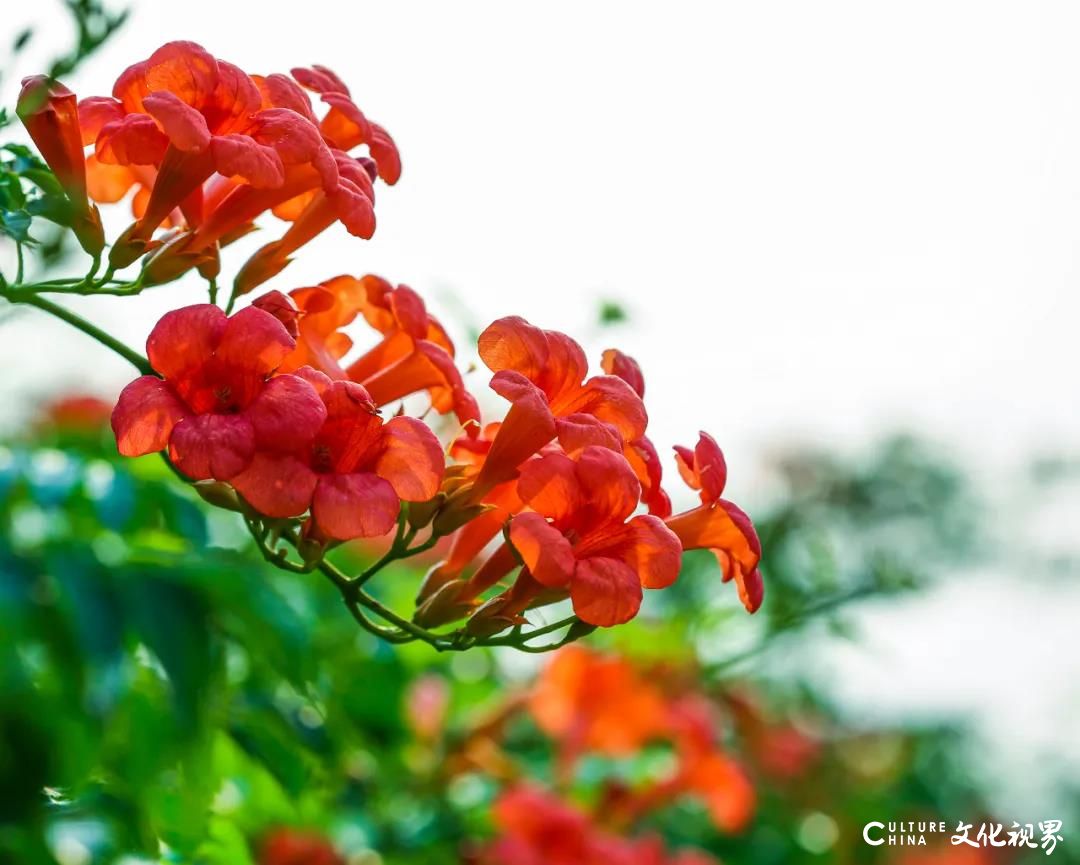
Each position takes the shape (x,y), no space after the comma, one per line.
(866,834)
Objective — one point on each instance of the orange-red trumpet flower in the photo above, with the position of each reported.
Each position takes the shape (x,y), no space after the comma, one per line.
(49,111)
(717,524)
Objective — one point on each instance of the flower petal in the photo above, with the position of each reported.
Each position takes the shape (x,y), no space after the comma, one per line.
(286,414)
(614,362)
(241,156)
(653,551)
(185,127)
(295,140)
(605,592)
(710,467)
(609,487)
(550,486)
(543,549)
(133,140)
(254,340)
(276,485)
(412,459)
(185,338)
(214,446)
(94,113)
(360,505)
(527,427)
(144,416)
(184,69)
(385,153)
(612,400)
(513,344)
(578,431)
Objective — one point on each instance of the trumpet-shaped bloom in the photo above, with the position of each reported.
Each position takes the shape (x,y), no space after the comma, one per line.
(717,524)
(577,536)
(190,116)
(353,474)
(215,402)
(345,125)
(352,203)
(49,111)
(588,701)
(542,374)
(415,353)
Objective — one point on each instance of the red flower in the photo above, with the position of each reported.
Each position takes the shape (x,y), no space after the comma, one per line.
(536,828)
(704,771)
(352,203)
(292,847)
(190,115)
(589,548)
(345,126)
(641,453)
(215,402)
(591,702)
(353,474)
(415,353)
(542,374)
(717,524)
(49,112)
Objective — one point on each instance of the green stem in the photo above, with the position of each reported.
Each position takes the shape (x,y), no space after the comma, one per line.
(77,321)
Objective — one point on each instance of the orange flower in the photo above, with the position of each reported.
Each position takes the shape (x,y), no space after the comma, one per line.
(345,126)
(591,702)
(190,116)
(641,453)
(717,524)
(542,374)
(415,353)
(704,770)
(577,536)
(49,112)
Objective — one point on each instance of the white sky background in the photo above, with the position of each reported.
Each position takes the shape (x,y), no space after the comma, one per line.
(828,220)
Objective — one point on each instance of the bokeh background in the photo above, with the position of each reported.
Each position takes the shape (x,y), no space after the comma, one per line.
(842,237)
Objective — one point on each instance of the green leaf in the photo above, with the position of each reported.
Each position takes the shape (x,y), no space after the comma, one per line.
(226,845)
(174,623)
(44,179)
(612,313)
(16,225)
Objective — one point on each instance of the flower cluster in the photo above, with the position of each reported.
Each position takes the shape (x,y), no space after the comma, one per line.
(208,148)
(592,703)
(275,410)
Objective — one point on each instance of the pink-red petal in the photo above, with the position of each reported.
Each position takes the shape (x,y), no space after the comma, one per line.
(276,486)
(185,338)
(605,591)
(543,549)
(359,505)
(145,415)
(254,340)
(412,459)
(214,446)
(286,414)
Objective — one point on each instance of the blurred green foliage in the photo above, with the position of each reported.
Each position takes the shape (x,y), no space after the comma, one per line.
(161,685)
